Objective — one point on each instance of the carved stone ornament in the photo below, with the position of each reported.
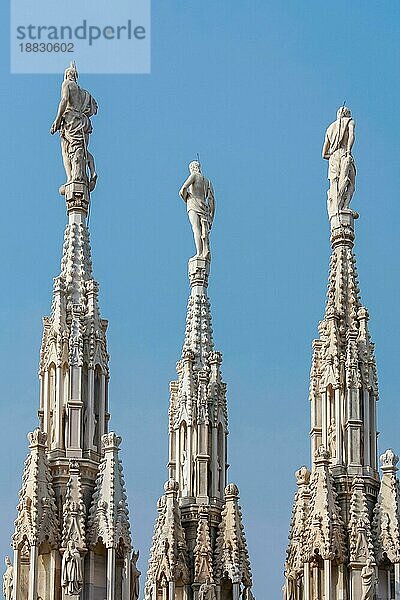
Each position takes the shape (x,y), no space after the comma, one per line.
(231,554)
(108,516)
(389,460)
(37,514)
(303,476)
(168,554)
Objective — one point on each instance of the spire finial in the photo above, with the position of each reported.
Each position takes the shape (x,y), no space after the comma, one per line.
(198,194)
(337,149)
(73,122)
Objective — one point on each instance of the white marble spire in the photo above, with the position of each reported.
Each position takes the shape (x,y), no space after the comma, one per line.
(197,507)
(336,549)
(61,550)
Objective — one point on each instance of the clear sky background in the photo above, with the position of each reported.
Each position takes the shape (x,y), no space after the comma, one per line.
(251,86)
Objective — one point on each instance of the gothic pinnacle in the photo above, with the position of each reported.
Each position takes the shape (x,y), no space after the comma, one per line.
(198,518)
(336,550)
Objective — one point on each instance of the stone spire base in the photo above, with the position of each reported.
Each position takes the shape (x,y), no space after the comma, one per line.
(198,270)
(342,228)
(77,196)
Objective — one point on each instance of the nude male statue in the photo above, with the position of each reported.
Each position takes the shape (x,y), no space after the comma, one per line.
(197,192)
(339,140)
(73,122)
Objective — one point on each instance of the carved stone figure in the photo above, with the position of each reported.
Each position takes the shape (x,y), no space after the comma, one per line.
(185,469)
(73,122)
(219,471)
(361,548)
(8,579)
(332,438)
(71,570)
(247,594)
(368,581)
(197,192)
(207,591)
(290,587)
(65,427)
(339,140)
(135,574)
(52,428)
(89,420)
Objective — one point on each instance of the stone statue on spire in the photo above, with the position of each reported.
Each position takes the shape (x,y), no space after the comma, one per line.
(73,122)
(198,193)
(338,144)
(8,579)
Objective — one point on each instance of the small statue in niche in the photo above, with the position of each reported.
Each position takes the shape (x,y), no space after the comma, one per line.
(185,470)
(207,591)
(290,586)
(89,420)
(332,438)
(368,581)
(71,570)
(219,474)
(52,428)
(247,594)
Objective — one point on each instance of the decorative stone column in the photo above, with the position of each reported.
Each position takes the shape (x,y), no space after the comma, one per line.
(33,573)
(171,590)
(307,586)
(236,591)
(110,573)
(397,581)
(126,582)
(327,578)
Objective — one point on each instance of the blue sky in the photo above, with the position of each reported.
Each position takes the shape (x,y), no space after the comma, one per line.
(251,86)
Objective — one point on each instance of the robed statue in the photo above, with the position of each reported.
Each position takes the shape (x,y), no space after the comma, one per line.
(207,591)
(247,594)
(73,122)
(338,144)
(71,570)
(289,589)
(135,575)
(368,581)
(8,579)
(197,192)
